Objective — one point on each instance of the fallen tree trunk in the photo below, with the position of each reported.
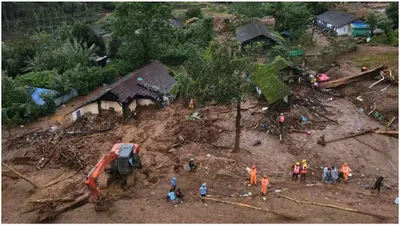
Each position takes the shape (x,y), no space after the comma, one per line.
(335,207)
(351,79)
(79,202)
(49,200)
(20,175)
(251,207)
(353,135)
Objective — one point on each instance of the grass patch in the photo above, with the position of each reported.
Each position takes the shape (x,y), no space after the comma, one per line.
(390,59)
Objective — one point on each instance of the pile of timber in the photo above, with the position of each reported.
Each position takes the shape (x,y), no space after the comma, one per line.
(351,79)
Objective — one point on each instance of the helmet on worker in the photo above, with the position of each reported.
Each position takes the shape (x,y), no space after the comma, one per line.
(203,185)
(191,159)
(345,164)
(281,114)
(173,178)
(297,163)
(304,161)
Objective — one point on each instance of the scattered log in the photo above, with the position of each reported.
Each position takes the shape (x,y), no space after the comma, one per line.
(353,135)
(327,118)
(20,175)
(335,207)
(251,207)
(79,202)
(387,132)
(45,201)
(382,78)
(351,79)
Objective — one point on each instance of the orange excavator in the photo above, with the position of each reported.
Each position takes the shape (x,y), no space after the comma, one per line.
(120,162)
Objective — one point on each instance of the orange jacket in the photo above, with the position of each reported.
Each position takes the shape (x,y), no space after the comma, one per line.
(345,169)
(264,181)
(304,170)
(253,172)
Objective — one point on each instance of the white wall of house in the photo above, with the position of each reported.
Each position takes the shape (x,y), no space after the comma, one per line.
(92,107)
(142,101)
(344,30)
(132,106)
(111,104)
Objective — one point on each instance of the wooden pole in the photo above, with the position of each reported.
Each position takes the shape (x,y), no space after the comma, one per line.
(334,206)
(251,207)
(20,175)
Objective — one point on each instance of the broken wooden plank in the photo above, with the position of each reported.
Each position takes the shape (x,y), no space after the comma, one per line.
(21,176)
(387,132)
(251,207)
(351,79)
(334,206)
(351,136)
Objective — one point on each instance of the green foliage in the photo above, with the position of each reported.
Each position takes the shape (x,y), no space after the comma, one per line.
(41,79)
(112,46)
(49,106)
(143,27)
(279,50)
(290,16)
(317,8)
(392,12)
(75,52)
(250,10)
(175,56)
(86,34)
(372,20)
(193,12)
(216,74)
(391,38)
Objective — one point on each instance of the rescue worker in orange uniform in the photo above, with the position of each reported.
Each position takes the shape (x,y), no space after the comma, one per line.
(303,170)
(345,170)
(296,170)
(253,175)
(264,185)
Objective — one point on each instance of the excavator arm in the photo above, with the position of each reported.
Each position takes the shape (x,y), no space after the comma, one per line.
(91,180)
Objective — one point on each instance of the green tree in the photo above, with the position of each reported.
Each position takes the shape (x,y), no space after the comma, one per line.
(372,20)
(217,75)
(87,34)
(317,8)
(290,16)
(143,28)
(250,10)
(392,12)
(75,52)
(193,12)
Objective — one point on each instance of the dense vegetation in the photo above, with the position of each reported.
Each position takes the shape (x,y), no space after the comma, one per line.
(53,45)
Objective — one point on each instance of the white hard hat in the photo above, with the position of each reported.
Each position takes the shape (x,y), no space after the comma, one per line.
(281,114)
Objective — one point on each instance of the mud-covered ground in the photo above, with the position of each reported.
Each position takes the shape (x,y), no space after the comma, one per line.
(225,174)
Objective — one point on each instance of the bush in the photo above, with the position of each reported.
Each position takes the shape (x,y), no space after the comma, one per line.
(42,79)
(193,12)
(175,56)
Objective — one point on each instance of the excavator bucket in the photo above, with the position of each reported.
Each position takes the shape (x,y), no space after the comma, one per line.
(102,205)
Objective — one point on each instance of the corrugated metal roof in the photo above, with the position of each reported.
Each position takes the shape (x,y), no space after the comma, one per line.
(253,30)
(360,25)
(154,75)
(337,18)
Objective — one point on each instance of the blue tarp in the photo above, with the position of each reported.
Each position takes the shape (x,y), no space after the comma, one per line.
(360,25)
(36,92)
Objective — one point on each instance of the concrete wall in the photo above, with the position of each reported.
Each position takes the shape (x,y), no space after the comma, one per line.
(142,101)
(108,104)
(92,107)
(65,98)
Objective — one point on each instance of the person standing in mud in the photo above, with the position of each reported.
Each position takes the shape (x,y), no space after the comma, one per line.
(378,183)
(281,122)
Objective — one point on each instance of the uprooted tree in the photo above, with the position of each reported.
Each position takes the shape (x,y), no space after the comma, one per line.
(218,75)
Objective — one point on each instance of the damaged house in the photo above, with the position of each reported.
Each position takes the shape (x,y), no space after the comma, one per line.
(148,85)
(268,82)
(336,21)
(257,32)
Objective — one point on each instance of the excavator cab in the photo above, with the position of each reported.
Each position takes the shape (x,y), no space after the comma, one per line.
(128,159)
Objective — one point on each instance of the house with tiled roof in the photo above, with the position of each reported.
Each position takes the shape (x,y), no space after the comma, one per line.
(336,21)
(255,32)
(149,85)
